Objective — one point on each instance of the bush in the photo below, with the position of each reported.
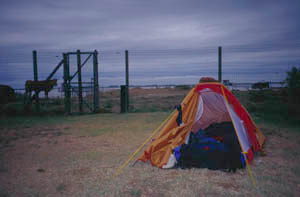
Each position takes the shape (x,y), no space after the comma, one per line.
(293,84)
(183,87)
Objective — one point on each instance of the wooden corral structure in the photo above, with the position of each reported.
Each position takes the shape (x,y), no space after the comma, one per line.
(68,80)
(47,85)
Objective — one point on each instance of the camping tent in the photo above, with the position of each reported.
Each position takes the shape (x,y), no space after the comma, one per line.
(206,104)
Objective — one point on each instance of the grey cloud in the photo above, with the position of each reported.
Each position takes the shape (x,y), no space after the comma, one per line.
(139,24)
(253,31)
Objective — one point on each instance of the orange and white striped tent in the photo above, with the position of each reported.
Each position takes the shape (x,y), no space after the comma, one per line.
(206,103)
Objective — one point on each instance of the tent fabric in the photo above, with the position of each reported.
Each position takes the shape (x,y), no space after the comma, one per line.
(214,111)
(240,129)
(200,108)
(205,104)
(171,136)
(256,137)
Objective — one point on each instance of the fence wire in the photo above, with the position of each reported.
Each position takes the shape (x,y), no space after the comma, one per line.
(242,66)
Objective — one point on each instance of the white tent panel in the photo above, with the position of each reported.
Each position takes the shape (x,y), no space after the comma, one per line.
(240,129)
(199,108)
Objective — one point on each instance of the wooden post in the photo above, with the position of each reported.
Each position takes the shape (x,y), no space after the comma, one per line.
(126,69)
(123,99)
(220,65)
(80,99)
(96,82)
(127,80)
(35,75)
(67,99)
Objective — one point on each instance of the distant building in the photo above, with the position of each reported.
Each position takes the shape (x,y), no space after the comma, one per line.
(227,83)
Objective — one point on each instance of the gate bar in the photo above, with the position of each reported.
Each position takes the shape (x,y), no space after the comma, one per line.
(79,81)
(67,84)
(96,83)
(85,61)
(55,69)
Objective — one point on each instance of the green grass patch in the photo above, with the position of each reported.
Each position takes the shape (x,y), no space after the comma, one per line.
(61,187)
(30,121)
(92,155)
(100,131)
(271,107)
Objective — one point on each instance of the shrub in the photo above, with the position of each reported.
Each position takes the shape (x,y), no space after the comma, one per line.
(183,87)
(293,84)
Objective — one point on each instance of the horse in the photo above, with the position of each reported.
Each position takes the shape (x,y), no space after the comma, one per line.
(38,86)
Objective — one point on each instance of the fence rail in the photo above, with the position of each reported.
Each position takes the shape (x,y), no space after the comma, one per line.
(239,68)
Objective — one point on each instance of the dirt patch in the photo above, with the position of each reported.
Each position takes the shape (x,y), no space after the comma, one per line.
(9,135)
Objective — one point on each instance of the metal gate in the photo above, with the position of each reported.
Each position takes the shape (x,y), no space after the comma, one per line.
(80,96)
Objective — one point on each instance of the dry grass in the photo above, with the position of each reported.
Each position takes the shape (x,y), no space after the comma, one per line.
(78,158)
(144,100)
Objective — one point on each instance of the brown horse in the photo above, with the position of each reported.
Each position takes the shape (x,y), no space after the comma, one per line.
(38,86)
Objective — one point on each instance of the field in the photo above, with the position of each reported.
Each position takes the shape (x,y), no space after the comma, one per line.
(78,155)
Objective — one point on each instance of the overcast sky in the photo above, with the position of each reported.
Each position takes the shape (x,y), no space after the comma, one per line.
(135,24)
(57,25)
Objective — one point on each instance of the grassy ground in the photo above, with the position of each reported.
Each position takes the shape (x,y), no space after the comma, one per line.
(77,155)
(271,107)
(145,100)
(141,100)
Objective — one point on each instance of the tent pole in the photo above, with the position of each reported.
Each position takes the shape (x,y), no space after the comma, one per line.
(131,157)
(249,169)
(243,151)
